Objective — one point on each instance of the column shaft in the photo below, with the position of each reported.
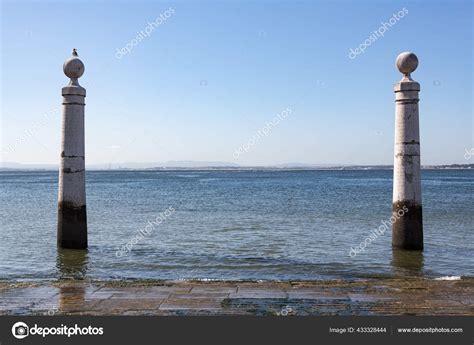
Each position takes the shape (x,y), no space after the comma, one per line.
(407,232)
(72,217)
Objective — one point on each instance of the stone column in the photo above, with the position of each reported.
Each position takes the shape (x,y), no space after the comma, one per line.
(407,231)
(72,220)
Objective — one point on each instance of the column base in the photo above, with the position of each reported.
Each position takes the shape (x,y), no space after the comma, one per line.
(407,230)
(72,226)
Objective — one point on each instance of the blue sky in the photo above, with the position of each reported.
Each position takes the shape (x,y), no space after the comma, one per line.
(213,73)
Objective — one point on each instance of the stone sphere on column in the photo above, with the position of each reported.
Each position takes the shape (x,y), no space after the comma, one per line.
(73,67)
(406,63)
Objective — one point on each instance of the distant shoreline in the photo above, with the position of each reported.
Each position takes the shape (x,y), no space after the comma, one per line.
(256,168)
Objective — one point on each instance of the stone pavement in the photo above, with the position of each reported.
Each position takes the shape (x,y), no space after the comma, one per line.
(361,297)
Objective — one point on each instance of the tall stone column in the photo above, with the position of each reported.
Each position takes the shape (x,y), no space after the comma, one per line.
(407,231)
(72,219)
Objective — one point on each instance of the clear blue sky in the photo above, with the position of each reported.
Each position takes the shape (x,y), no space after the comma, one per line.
(211,75)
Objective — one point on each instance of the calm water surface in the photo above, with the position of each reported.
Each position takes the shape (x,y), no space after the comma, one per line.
(273,225)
